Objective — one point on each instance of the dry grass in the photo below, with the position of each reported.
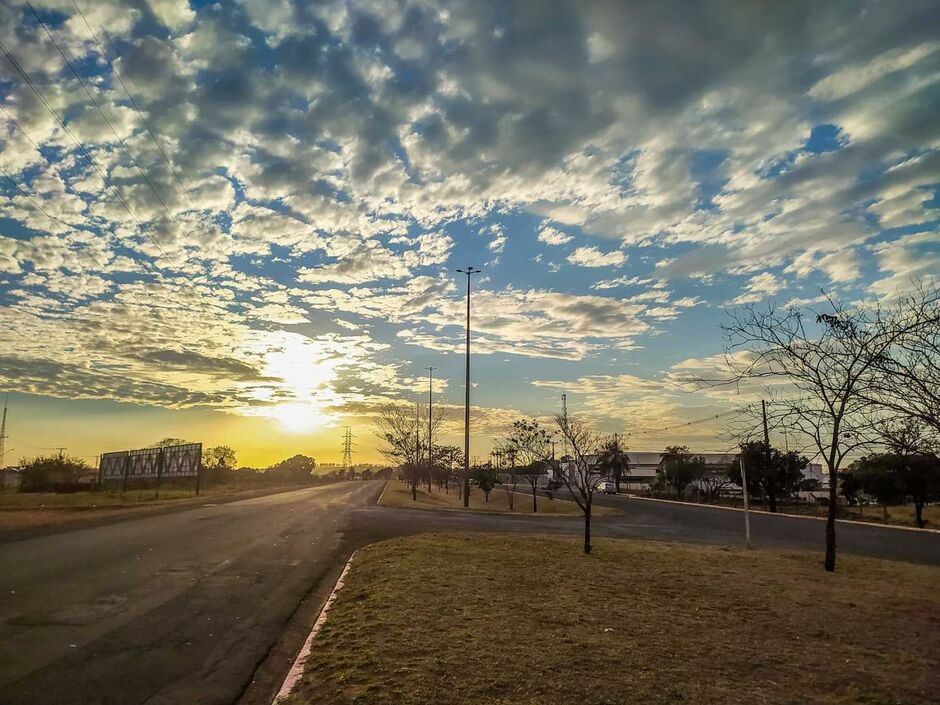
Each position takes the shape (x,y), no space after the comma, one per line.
(398,494)
(21,510)
(498,619)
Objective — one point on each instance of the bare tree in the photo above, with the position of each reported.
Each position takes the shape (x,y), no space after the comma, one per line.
(404,434)
(507,471)
(531,445)
(906,382)
(828,364)
(581,474)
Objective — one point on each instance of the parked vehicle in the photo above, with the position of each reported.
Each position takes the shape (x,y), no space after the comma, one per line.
(606,486)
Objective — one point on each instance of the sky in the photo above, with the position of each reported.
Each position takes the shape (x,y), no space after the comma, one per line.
(240,222)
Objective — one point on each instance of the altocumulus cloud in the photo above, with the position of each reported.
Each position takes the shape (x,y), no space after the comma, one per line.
(294,160)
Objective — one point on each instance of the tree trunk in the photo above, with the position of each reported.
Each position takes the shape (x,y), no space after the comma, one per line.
(512,500)
(919,513)
(587,529)
(884,511)
(772,501)
(535,506)
(414,491)
(831,525)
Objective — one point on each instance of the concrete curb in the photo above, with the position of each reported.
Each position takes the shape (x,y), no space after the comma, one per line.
(783,514)
(297,668)
(384,490)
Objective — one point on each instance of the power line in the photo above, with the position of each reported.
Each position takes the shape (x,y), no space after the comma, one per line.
(29,81)
(94,102)
(684,424)
(150,131)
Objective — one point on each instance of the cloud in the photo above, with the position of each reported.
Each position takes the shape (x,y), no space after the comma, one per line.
(293,163)
(759,287)
(553,236)
(593,257)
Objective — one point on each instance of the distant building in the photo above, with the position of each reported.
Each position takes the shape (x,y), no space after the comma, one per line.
(644,466)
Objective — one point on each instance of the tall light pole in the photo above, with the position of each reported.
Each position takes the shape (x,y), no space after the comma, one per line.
(430,410)
(469,271)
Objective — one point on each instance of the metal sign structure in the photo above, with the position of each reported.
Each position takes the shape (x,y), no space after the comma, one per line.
(152,463)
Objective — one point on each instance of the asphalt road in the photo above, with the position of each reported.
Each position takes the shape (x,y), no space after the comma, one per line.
(209,604)
(177,608)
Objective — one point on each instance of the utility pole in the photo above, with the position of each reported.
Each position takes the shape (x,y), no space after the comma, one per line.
(747,516)
(469,271)
(430,410)
(767,469)
(763,408)
(3,433)
(417,435)
(564,416)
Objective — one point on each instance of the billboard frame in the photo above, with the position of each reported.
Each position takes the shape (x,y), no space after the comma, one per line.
(156,463)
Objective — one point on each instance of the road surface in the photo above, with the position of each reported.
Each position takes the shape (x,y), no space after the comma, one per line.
(177,608)
(209,604)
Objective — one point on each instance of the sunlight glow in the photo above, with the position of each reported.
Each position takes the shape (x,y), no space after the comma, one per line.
(300,374)
(300,418)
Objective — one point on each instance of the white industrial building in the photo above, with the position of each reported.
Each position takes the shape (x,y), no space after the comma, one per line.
(644,466)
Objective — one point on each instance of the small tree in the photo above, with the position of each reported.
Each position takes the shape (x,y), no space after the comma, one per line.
(580,474)
(400,429)
(509,475)
(850,486)
(679,468)
(905,381)
(297,469)
(613,460)
(484,476)
(715,481)
(446,460)
(915,442)
(531,445)
(829,364)
(878,476)
(53,473)
(771,473)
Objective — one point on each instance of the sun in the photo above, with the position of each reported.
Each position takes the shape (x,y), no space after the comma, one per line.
(299,417)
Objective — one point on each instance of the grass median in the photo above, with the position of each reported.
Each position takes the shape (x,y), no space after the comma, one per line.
(474,618)
(398,494)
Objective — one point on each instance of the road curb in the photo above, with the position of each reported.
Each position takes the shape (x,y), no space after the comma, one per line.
(297,668)
(382,495)
(784,514)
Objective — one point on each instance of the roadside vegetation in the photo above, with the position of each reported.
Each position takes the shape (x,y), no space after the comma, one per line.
(523,619)
(59,489)
(399,494)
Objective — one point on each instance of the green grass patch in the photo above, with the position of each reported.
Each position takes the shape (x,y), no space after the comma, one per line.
(398,494)
(460,619)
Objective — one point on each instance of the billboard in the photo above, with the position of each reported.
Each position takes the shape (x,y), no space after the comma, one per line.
(152,463)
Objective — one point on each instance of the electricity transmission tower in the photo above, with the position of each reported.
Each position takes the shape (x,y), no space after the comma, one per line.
(347,450)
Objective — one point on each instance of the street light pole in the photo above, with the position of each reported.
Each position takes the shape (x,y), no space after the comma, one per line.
(469,271)
(430,410)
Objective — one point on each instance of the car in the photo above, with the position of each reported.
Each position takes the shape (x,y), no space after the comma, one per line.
(606,486)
